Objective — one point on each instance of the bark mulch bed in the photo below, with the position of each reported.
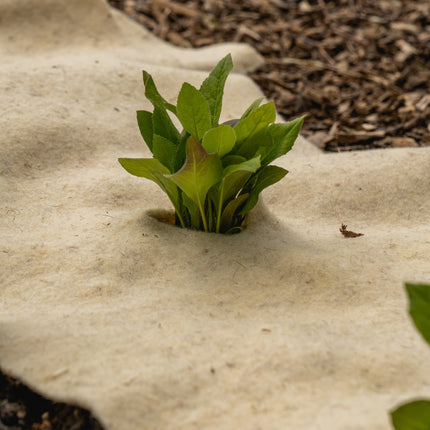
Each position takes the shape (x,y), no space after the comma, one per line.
(359,70)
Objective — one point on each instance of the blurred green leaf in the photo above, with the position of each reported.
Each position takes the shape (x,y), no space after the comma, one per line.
(419,307)
(412,416)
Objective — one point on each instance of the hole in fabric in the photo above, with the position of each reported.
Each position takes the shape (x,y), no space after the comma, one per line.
(168,217)
(162,215)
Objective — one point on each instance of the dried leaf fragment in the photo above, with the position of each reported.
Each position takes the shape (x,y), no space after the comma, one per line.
(348,233)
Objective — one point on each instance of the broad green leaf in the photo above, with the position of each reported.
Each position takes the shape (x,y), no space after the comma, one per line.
(251,127)
(258,119)
(236,175)
(199,173)
(284,135)
(231,212)
(254,105)
(193,212)
(164,151)
(163,125)
(144,120)
(193,111)
(412,416)
(213,87)
(234,178)
(419,307)
(267,176)
(220,139)
(257,143)
(232,159)
(181,154)
(153,95)
(152,169)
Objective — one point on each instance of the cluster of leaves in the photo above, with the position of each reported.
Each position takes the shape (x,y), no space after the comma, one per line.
(416,415)
(212,173)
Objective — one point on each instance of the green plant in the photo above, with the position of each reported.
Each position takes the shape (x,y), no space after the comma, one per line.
(416,415)
(212,173)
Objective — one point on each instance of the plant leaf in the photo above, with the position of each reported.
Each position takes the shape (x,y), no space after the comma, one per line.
(412,416)
(180,153)
(212,87)
(284,135)
(193,111)
(236,175)
(257,144)
(152,169)
(419,308)
(254,105)
(199,173)
(144,120)
(232,159)
(230,212)
(163,125)
(267,176)
(153,95)
(164,151)
(255,122)
(234,178)
(193,212)
(220,139)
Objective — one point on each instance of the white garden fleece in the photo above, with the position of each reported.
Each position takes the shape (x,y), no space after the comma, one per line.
(287,325)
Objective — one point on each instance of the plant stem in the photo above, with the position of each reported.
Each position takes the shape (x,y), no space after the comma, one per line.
(180,217)
(218,216)
(177,211)
(202,213)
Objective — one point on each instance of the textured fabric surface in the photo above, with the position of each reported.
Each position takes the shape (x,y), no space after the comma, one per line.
(286,325)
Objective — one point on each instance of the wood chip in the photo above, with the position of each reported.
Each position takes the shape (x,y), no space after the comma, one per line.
(348,233)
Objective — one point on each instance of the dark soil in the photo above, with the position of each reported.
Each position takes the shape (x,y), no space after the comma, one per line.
(22,409)
(359,70)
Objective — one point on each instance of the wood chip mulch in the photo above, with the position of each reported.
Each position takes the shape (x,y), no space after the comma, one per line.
(359,69)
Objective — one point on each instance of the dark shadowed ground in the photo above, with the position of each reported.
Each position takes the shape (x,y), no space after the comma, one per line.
(359,69)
